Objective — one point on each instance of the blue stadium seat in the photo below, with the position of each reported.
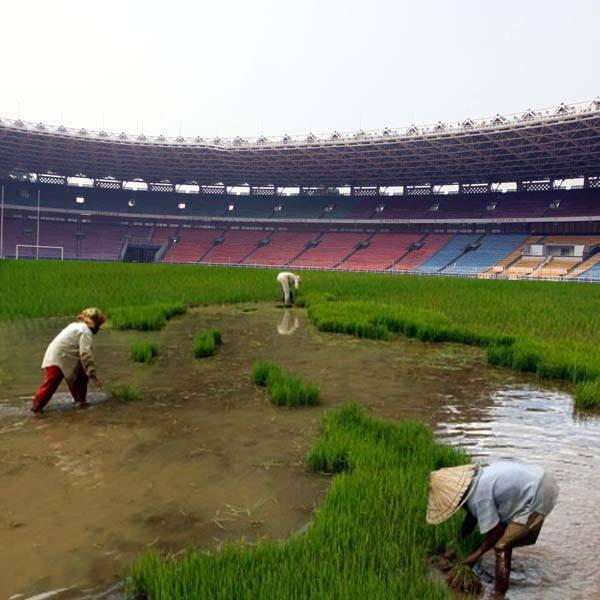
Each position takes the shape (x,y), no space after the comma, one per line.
(492,249)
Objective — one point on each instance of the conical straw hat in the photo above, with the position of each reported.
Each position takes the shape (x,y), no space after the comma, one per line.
(448,491)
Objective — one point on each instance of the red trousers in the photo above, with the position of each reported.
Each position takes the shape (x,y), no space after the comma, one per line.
(52,378)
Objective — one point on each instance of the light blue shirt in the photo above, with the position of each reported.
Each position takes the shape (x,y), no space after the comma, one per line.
(505,492)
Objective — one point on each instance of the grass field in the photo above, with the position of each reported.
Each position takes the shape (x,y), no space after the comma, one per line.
(368,540)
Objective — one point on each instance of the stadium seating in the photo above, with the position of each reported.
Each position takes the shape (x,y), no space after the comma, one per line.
(491,249)
(101,241)
(331,250)
(237,245)
(282,248)
(514,256)
(413,259)
(297,207)
(192,245)
(257,207)
(520,204)
(383,251)
(448,253)
(160,235)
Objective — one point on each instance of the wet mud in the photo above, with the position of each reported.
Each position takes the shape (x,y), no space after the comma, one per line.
(204,458)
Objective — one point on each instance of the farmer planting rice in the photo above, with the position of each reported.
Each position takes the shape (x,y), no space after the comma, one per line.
(70,356)
(508,500)
(289,282)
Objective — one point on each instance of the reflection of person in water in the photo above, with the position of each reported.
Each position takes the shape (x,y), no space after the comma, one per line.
(508,500)
(70,356)
(289,282)
(287,325)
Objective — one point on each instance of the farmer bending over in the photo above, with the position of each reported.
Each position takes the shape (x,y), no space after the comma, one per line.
(508,500)
(69,355)
(286,281)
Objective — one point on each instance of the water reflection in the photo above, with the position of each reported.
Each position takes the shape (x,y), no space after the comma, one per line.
(288,323)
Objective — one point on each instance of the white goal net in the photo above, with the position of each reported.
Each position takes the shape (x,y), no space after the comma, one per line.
(35,251)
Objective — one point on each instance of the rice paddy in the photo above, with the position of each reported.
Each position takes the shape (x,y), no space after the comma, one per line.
(124,392)
(380,468)
(206,343)
(144,352)
(285,389)
(145,318)
(382,472)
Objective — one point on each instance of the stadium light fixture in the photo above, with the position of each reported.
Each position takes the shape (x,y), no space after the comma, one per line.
(80,199)
(181,205)
(131,202)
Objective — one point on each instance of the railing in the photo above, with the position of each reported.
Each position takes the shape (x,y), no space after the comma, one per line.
(336,137)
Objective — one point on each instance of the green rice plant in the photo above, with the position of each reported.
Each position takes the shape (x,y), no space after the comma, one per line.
(291,390)
(369,539)
(144,352)
(124,392)
(263,371)
(284,389)
(205,343)
(145,318)
(587,394)
(559,320)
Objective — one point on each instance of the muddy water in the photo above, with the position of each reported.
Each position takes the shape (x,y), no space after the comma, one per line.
(204,458)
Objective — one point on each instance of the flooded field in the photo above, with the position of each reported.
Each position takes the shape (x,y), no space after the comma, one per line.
(205,458)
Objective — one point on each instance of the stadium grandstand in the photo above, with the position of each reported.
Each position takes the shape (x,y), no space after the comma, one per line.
(508,197)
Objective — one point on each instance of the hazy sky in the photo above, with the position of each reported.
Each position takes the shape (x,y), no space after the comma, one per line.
(246,67)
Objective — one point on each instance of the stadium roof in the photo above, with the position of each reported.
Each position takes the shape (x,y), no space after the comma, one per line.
(555,143)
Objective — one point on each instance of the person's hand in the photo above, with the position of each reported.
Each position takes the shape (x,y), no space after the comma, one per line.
(450,554)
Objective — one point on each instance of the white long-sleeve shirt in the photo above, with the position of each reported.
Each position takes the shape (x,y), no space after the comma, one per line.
(71,350)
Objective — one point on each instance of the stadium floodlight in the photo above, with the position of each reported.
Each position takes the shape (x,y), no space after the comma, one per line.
(131,202)
(80,199)
(181,205)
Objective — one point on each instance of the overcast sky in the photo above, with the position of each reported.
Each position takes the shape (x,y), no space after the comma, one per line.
(229,67)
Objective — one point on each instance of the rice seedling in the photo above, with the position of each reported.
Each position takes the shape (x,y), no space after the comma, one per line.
(587,394)
(368,540)
(144,352)
(124,392)
(560,321)
(462,580)
(205,343)
(263,371)
(285,389)
(145,318)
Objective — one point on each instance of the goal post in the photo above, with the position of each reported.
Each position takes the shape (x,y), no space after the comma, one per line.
(34,251)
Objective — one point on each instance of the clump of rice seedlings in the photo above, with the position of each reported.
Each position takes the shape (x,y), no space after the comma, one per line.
(587,394)
(263,371)
(461,579)
(144,352)
(124,392)
(145,318)
(291,390)
(285,389)
(382,472)
(205,343)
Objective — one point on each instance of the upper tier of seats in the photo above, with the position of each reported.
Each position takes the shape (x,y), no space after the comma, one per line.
(555,203)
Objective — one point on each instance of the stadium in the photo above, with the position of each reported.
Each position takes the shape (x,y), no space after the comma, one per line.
(511,196)
(259,343)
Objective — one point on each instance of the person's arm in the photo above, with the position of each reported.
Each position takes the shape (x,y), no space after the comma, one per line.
(468,526)
(488,543)
(86,355)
